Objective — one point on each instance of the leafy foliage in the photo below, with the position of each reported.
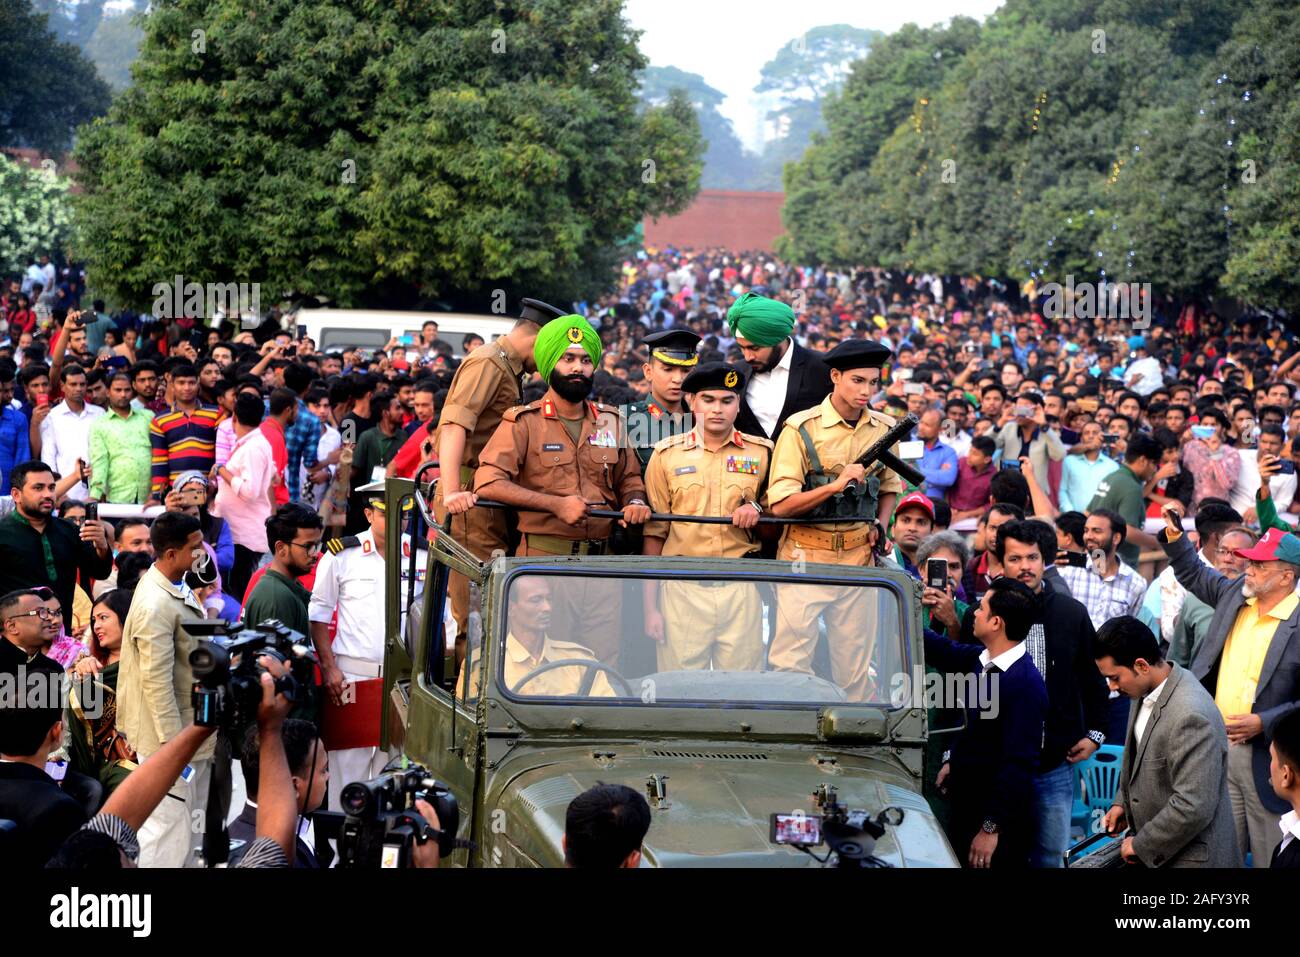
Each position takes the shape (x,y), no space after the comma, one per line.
(726,163)
(370,151)
(35,215)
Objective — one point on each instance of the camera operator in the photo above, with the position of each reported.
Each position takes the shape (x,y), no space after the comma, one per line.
(108,840)
(309,771)
(604,827)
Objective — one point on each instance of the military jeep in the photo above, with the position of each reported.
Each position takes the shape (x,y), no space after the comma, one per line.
(716,752)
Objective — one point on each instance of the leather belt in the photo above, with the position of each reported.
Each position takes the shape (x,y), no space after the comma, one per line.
(554,545)
(827,541)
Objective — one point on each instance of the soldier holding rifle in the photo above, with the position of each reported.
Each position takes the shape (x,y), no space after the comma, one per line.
(817,472)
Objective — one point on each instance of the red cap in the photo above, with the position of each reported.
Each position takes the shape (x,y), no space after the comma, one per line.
(917,499)
(1265,550)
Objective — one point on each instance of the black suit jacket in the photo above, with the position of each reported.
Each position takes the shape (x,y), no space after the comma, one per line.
(1290,858)
(1078,700)
(994,760)
(243,831)
(808,384)
(46,817)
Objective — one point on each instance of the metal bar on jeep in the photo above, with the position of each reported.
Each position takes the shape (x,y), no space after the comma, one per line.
(697,519)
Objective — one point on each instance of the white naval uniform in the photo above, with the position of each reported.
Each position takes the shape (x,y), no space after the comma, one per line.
(352,582)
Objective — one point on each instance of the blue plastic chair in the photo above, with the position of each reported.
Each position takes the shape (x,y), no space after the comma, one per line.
(1096,784)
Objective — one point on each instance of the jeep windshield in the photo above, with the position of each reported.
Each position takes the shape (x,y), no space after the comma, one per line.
(652,639)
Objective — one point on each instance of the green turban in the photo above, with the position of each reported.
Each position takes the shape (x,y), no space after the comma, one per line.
(558,335)
(762,321)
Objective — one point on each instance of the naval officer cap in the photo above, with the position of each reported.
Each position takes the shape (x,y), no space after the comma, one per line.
(857,354)
(676,347)
(534,310)
(714,375)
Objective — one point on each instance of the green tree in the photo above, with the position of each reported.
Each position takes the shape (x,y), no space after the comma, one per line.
(47,88)
(726,163)
(114,46)
(35,214)
(367,152)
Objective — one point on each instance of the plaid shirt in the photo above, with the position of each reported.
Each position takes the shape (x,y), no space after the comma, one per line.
(300,440)
(1105,598)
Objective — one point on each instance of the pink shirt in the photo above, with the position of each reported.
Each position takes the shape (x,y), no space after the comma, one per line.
(245,503)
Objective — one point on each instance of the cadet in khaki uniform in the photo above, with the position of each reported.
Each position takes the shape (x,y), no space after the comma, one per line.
(528,647)
(556,458)
(839,431)
(661,413)
(711,470)
(486,384)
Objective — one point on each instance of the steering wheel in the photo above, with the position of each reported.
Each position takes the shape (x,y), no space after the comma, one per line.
(591,664)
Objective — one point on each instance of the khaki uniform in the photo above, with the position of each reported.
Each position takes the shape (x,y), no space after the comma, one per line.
(648,424)
(533,449)
(708,624)
(485,386)
(557,683)
(850,622)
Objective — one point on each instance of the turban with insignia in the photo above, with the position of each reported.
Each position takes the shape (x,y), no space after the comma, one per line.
(762,321)
(558,335)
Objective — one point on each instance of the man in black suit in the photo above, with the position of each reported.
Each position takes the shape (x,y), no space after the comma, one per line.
(784,377)
(1060,643)
(1284,774)
(309,768)
(30,728)
(990,774)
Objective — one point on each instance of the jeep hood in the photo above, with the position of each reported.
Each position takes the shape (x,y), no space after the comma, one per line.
(719,804)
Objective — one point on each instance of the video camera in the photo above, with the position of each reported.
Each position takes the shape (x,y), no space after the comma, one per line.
(850,833)
(227,676)
(382,825)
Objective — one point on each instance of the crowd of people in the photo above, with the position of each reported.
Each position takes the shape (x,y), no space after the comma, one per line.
(1063,467)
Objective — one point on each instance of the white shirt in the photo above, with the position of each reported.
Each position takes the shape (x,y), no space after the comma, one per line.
(1145,710)
(353,583)
(1172,597)
(65,437)
(1290,825)
(1149,377)
(959,443)
(1004,660)
(766,391)
(1242,494)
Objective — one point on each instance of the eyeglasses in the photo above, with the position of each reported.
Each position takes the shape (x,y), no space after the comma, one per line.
(45,614)
(311,548)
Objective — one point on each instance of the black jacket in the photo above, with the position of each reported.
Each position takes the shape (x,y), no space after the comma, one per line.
(1078,700)
(46,817)
(243,831)
(808,384)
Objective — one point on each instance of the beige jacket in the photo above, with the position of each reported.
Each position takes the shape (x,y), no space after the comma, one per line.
(154,681)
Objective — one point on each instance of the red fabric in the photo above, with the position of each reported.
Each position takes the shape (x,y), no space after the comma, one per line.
(274,433)
(307,581)
(409,456)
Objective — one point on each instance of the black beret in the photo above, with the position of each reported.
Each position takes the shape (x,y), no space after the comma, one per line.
(714,375)
(857,354)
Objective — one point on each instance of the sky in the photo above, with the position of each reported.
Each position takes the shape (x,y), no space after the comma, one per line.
(728,41)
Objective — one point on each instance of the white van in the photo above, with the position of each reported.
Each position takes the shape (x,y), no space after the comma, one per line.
(334,330)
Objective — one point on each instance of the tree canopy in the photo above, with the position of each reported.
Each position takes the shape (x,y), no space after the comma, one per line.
(371,152)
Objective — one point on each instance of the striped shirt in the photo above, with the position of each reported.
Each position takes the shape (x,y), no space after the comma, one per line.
(182,442)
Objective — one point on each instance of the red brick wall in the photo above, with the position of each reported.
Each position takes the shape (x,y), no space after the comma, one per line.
(731,219)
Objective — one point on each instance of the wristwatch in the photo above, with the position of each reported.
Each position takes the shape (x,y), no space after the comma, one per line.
(989,827)
(758,508)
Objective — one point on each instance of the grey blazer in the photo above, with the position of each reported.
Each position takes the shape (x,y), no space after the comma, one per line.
(1174,785)
(1278,691)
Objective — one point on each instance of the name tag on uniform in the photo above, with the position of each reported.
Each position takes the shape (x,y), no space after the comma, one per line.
(742,464)
(552,447)
(684,470)
(602,439)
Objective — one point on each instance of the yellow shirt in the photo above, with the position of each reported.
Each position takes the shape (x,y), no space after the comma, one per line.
(684,477)
(1244,653)
(837,443)
(557,683)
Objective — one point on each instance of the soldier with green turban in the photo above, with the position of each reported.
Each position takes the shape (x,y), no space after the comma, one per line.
(785,378)
(556,459)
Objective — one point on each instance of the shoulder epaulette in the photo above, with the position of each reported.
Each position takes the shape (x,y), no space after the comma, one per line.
(799,418)
(887,420)
(515,411)
(757,440)
(336,545)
